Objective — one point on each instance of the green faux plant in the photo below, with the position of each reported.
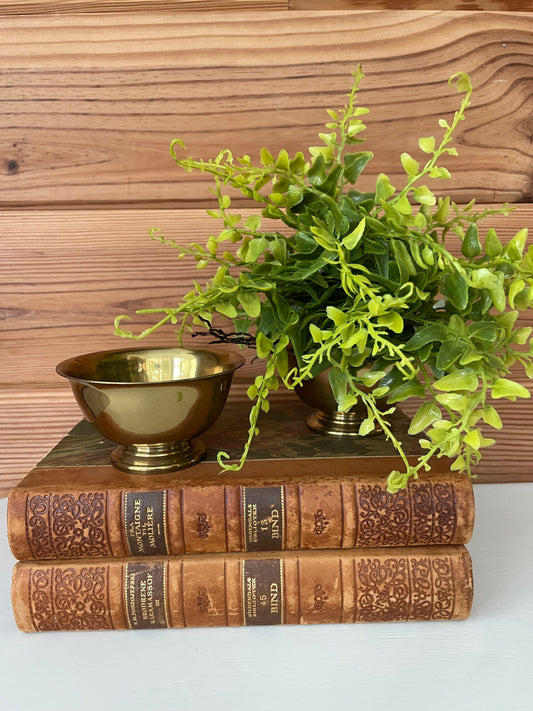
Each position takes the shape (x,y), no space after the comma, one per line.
(364,283)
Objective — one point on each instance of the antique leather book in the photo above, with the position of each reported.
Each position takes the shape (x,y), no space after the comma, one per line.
(298,490)
(293,587)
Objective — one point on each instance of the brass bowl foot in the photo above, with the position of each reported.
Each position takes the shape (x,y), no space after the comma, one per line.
(341,424)
(158,458)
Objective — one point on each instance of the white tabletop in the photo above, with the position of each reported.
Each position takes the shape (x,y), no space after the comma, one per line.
(482,664)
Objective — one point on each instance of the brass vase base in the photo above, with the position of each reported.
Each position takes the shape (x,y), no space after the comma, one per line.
(341,424)
(158,458)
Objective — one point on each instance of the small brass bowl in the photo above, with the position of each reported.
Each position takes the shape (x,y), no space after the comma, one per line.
(152,402)
(325,418)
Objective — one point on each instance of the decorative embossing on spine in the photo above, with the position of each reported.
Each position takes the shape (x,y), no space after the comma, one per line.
(404,588)
(321,522)
(434,512)
(74,598)
(382,589)
(38,526)
(202,600)
(446,511)
(320,596)
(40,598)
(68,525)
(383,517)
(203,527)
(443,589)
(422,514)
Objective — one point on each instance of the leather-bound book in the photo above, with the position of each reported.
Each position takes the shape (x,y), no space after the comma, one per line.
(298,490)
(293,587)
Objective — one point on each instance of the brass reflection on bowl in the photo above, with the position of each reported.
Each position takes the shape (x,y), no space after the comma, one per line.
(152,402)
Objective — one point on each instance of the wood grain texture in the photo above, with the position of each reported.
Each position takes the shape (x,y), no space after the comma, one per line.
(44,7)
(67,274)
(465,5)
(55,7)
(27,7)
(90,102)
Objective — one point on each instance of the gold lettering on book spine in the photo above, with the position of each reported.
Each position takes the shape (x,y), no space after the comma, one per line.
(67,525)
(73,598)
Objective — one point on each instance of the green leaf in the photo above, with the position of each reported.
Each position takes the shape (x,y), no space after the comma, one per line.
(338,317)
(427,334)
(502,387)
(409,164)
(449,352)
(323,238)
(226,309)
(352,240)
(515,248)
(455,289)
(338,382)
(462,82)
(426,415)
(253,222)
(491,417)
(250,302)
(384,189)
(391,320)
(263,345)
(473,439)
(484,330)
(317,171)
(423,195)
(454,401)
(255,249)
(427,144)
(354,164)
(463,379)
(267,159)
(515,289)
(409,388)
(367,426)
(483,278)
(282,161)
(316,333)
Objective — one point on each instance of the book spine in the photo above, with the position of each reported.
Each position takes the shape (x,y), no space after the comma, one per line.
(230,518)
(369,585)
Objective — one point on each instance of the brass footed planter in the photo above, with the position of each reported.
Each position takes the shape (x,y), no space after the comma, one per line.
(325,418)
(152,402)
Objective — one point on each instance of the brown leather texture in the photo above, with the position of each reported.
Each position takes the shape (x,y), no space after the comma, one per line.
(76,513)
(343,586)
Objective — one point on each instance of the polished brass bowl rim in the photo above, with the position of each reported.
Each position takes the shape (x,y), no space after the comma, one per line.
(228,360)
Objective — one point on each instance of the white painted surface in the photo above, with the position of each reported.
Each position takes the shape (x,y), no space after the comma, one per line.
(482,664)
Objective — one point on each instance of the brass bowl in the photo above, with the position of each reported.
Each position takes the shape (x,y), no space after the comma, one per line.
(152,402)
(325,418)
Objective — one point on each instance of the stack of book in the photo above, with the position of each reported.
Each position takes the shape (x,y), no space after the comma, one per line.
(305,533)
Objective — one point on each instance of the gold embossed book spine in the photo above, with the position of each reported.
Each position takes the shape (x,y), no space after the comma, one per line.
(50,516)
(341,586)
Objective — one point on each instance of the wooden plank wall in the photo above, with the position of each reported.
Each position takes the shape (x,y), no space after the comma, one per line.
(92,95)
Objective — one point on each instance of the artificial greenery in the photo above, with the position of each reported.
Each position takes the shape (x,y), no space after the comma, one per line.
(364,282)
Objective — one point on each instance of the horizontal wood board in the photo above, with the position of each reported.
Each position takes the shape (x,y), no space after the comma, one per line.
(464,5)
(96,6)
(67,274)
(90,102)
